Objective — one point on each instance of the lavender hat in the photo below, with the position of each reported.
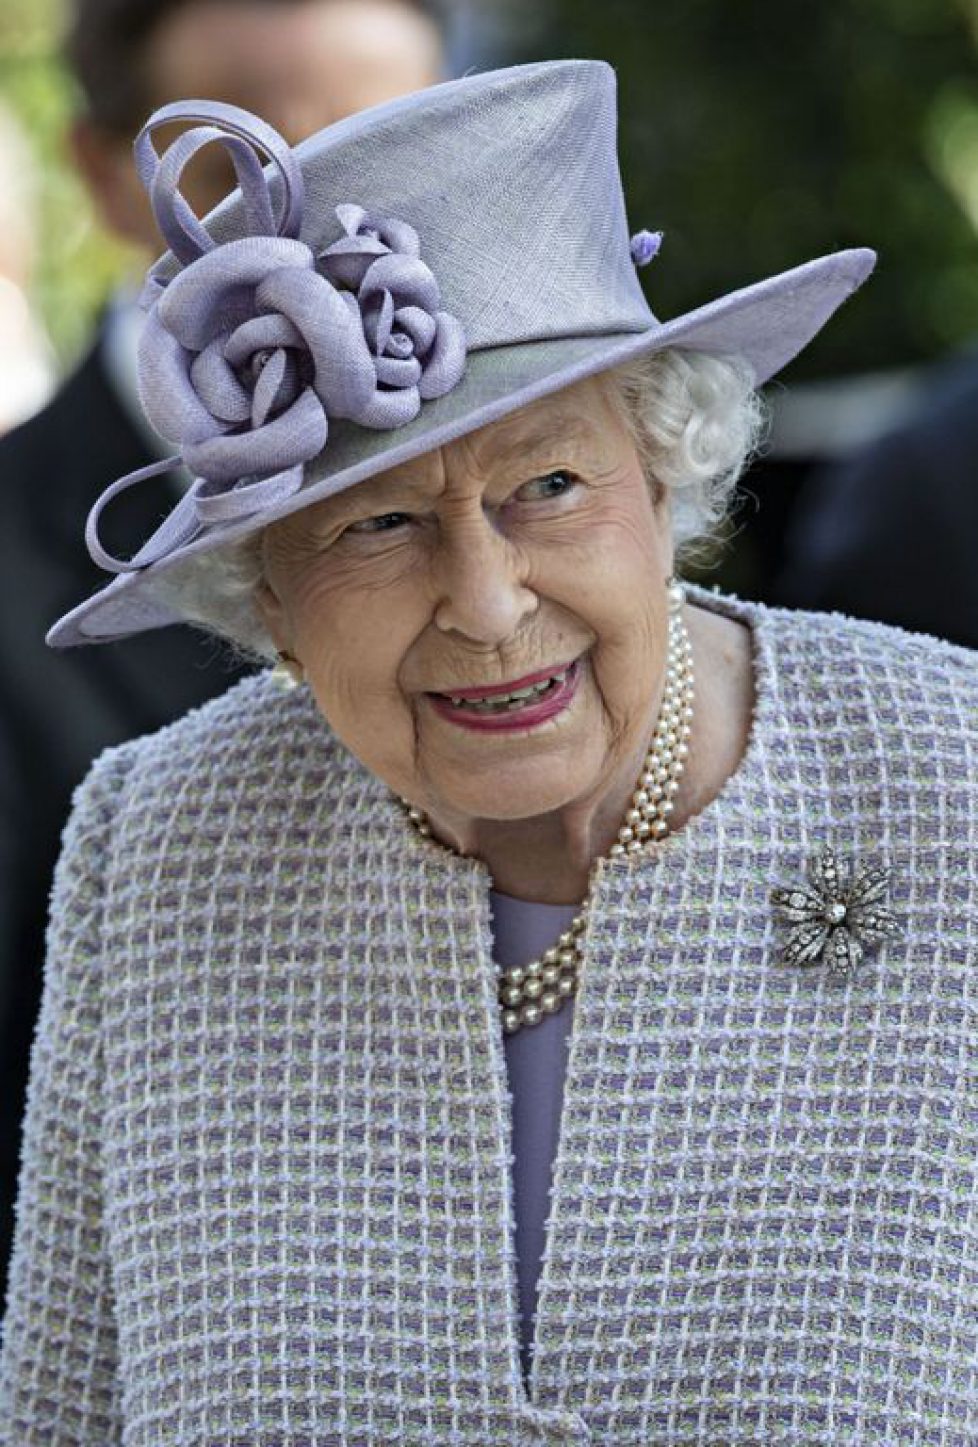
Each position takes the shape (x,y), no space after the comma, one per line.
(395,282)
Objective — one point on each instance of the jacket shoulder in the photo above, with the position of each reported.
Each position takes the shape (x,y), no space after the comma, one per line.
(251,741)
(908,687)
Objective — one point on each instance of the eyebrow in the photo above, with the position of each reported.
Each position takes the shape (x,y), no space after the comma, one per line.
(556,431)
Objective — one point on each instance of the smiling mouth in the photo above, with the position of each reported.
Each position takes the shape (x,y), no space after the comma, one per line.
(510,699)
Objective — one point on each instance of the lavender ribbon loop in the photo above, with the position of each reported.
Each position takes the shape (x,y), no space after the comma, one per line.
(177,529)
(254,344)
(201,505)
(242,133)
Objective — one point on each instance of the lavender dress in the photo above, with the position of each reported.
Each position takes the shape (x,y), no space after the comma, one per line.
(536,1060)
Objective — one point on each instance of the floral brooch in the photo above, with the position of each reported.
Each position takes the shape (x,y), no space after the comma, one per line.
(834,917)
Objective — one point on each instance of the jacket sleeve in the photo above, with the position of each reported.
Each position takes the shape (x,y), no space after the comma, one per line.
(59,1382)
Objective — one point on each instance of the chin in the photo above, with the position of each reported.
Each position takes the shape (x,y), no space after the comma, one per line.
(509,793)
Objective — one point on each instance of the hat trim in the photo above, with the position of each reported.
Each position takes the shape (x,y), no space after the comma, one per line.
(765,324)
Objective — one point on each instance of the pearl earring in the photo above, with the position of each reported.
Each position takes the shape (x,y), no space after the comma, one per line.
(288,672)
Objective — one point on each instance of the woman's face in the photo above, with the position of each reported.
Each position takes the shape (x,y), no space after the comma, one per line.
(529,557)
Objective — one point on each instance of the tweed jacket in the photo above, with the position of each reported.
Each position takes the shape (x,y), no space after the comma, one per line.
(266,1194)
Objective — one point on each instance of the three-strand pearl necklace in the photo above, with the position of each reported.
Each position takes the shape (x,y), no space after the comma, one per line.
(529,992)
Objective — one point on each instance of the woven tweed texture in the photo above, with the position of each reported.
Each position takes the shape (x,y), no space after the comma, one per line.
(265,1196)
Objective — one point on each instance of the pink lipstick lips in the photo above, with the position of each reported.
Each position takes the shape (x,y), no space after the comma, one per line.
(510,707)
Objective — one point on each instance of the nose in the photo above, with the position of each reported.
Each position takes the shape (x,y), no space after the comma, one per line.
(481,593)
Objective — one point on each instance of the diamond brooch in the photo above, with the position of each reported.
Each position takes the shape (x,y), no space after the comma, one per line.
(832,918)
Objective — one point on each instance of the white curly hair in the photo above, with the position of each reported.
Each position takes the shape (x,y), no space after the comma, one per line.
(696,419)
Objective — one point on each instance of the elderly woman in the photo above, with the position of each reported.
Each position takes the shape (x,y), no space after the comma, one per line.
(503,1036)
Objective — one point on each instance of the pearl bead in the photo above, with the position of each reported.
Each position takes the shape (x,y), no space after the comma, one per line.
(528,992)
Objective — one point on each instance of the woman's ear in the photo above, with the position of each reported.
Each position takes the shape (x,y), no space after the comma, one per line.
(273,615)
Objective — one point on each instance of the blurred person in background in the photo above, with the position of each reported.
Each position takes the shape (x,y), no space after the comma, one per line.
(303,64)
(889,533)
(26,361)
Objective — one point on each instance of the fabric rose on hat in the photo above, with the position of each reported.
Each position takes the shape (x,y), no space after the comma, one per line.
(251,347)
(245,355)
(417,351)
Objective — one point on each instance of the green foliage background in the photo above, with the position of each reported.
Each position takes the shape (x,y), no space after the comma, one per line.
(77,262)
(758,134)
(755,134)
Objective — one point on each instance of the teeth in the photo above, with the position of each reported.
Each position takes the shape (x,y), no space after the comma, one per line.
(508,702)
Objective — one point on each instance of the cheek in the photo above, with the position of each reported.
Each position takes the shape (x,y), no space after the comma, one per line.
(343,620)
(353,642)
(613,578)
(611,566)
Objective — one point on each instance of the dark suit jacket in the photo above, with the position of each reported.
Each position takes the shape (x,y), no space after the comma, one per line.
(59,709)
(890,534)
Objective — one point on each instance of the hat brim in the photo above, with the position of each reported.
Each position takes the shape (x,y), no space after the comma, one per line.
(765,325)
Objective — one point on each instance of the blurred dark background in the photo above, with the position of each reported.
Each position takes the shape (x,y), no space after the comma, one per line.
(758,135)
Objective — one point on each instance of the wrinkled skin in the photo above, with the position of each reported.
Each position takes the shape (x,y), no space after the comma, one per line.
(533,542)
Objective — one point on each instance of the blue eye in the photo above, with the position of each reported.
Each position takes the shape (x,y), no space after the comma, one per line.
(384,523)
(550,484)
